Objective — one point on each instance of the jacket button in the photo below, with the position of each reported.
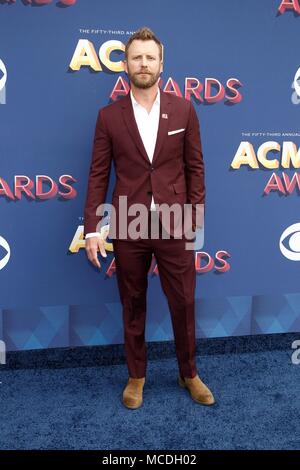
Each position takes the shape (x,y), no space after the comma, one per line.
(152,168)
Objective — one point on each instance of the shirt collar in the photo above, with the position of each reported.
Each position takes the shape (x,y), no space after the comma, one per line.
(135,102)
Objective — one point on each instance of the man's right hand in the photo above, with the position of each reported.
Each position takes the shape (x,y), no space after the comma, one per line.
(92,246)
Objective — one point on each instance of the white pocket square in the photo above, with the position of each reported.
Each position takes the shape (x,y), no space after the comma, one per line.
(175,132)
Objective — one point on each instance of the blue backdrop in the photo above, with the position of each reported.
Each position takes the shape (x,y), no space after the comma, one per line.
(50,295)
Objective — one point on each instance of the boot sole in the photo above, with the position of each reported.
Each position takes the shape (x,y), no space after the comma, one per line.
(132,407)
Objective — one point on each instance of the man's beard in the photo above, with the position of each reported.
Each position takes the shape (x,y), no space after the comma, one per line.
(143,81)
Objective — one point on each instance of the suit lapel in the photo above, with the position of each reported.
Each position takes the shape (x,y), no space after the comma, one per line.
(128,115)
(164,116)
(163,125)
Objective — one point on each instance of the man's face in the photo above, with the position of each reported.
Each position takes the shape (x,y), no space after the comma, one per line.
(143,64)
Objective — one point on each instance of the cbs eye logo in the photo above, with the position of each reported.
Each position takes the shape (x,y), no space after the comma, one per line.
(289,243)
(3,78)
(4,260)
(296,87)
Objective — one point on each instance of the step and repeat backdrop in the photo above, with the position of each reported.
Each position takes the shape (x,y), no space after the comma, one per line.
(60,61)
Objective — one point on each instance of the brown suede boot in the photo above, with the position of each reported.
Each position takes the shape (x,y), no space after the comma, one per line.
(198,390)
(133,393)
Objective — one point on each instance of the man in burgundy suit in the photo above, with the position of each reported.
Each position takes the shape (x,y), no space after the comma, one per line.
(153,139)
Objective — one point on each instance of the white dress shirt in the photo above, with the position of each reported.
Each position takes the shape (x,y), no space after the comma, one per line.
(148,126)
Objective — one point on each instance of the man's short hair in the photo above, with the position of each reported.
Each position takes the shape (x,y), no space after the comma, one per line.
(144,34)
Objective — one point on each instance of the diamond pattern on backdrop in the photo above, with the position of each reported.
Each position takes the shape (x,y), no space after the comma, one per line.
(96,324)
(228,316)
(276,314)
(36,327)
(85,325)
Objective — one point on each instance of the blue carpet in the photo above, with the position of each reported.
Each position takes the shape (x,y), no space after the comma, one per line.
(258,406)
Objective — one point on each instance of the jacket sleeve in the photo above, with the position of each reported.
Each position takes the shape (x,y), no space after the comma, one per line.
(98,175)
(194,168)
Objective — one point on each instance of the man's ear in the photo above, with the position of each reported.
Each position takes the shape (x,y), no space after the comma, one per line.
(125,65)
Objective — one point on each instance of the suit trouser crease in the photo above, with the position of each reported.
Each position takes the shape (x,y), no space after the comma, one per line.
(178,280)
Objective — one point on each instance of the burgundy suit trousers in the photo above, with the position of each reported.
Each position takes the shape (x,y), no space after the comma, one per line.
(176,267)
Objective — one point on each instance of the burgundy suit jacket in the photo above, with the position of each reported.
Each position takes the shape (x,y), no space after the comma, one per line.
(176,174)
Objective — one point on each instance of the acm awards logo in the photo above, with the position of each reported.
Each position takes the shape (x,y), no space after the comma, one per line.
(289,5)
(210,91)
(3,79)
(42,187)
(61,3)
(204,262)
(287,156)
